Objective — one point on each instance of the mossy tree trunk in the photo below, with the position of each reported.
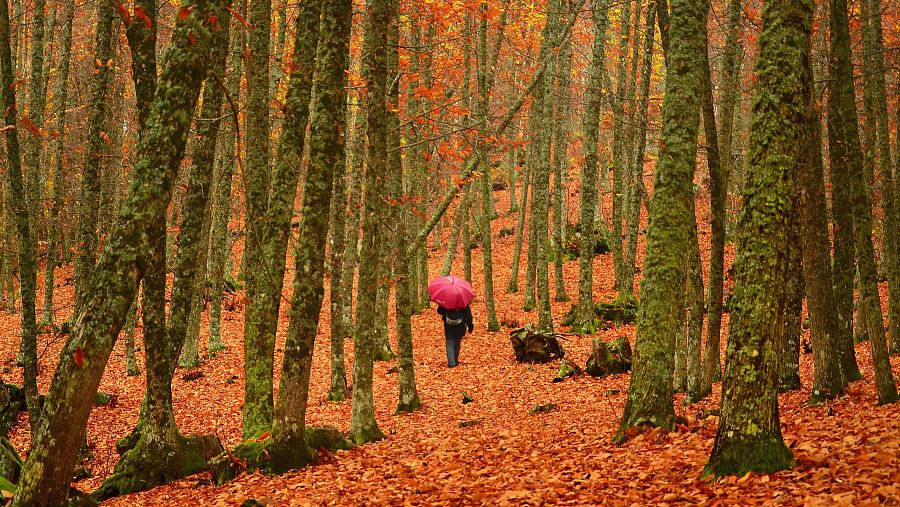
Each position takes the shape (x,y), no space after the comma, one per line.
(829,378)
(560,157)
(363,426)
(718,190)
(513,285)
(841,113)
(265,273)
(588,193)
(219,248)
(485,80)
(263,283)
(619,163)
(749,432)
(634,187)
(326,155)
(90,180)
(121,265)
(20,208)
(650,391)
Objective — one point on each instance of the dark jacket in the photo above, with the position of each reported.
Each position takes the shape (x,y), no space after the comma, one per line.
(451,327)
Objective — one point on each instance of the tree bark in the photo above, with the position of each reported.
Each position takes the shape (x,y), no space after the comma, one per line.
(265,273)
(363,426)
(588,193)
(650,391)
(326,157)
(749,433)
(124,259)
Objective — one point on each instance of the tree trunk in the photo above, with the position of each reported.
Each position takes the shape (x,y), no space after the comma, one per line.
(718,185)
(588,192)
(20,208)
(115,279)
(219,248)
(289,448)
(363,426)
(513,285)
(90,180)
(265,273)
(62,94)
(619,162)
(844,163)
(485,81)
(635,170)
(560,160)
(874,72)
(789,373)
(829,379)
(749,433)
(650,391)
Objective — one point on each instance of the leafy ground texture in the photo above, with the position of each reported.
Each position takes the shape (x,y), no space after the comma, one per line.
(491,450)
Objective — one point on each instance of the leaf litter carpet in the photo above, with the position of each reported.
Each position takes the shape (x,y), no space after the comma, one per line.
(491,451)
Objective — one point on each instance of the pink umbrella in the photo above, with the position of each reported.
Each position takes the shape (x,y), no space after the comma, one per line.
(451,292)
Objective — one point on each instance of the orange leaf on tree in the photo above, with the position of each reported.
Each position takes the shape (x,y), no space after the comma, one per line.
(78,357)
(141,14)
(237,16)
(124,12)
(183,13)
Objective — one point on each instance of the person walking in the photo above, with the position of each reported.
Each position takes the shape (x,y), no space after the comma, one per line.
(453,296)
(456,323)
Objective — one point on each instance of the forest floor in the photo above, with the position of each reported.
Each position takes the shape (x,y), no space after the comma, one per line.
(847,452)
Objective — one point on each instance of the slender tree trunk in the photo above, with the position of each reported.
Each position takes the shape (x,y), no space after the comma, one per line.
(619,160)
(131,365)
(749,433)
(789,373)
(874,70)
(842,128)
(62,94)
(90,179)
(363,426)
(635,170)
(20,209)
(829,379)
(560,159)
(37,102)
(47,472)
(289,448)
(219,248)
(588,193)
(265,279)
(485,80)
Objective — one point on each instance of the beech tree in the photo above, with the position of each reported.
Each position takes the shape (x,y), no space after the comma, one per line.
(749,432)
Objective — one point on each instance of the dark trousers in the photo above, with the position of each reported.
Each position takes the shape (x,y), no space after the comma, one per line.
(454,341)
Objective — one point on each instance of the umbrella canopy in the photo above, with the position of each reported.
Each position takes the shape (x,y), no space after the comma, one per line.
(451,292)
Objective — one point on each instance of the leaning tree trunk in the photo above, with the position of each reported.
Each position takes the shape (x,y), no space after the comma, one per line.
(588,192)
(650,390)
(19,207)
(326,152)
(124,259)
(265,273)
(363,426)
(749,432)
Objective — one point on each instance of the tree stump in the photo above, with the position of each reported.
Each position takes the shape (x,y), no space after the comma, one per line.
(609,359)
(532,346)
